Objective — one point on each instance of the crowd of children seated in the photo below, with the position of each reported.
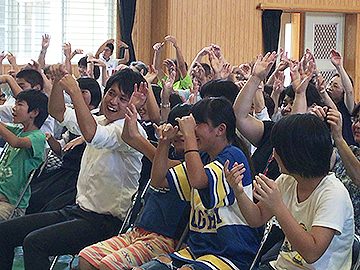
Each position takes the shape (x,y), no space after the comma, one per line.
(218,149)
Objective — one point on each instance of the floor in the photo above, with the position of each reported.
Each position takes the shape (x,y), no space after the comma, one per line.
(62,264)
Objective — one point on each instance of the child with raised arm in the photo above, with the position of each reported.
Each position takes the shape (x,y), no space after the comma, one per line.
(219,237)
(312,206)
(24,151)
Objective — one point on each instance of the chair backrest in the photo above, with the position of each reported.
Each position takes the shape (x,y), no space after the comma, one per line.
(355,253)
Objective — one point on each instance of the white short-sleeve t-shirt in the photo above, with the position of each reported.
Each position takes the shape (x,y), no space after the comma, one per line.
(328,206)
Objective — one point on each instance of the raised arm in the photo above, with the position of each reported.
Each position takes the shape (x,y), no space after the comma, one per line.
(248,125)
(151,104)
(126,57)
(255,215)
(12,60)
(56,98)
(300,84)
(45,42)
(179,56)
(157,60)
(102,47)
(161,162)
(2,57)
(204,51)
(337,61)
(15,88)
(351,163)
(194,166)
(86,121)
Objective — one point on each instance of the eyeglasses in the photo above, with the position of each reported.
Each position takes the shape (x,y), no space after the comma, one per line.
(355,119)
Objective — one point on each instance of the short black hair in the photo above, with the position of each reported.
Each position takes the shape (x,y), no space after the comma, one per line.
(125,79)
(33,77)
(83,62)
(220,88)
(110,46)
(36,100)
(303,143)
(356,110)
(179,110)
(312,95)
(140,66)
(93,87)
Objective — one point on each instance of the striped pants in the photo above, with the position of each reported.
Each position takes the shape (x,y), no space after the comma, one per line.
(128,250)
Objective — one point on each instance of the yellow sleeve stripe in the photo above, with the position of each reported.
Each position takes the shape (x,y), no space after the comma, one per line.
(217,262)
(182,182)
(185,253)
(219,189)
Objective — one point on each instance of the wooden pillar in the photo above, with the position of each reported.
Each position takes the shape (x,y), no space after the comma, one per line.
(352,50)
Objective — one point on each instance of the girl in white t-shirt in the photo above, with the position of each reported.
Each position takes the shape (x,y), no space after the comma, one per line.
(312,206)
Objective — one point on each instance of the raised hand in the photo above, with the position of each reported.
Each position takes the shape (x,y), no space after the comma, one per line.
(284,61)
(245,70)
(226,71)
(138,97)
(187,126)
(171,39)
(266,191)
(234,176)
(215,62)
(67,50)
(263,65)
(319,111)
(169,65)
(98,62)
(152,74)
(278,86)
(57,72)
(69,84)
(299,82)
(34,65)
(77,51)
(336,58)
(158,46)
(334,119)
(130,130)
(11,58)
(45,42)
(166,132)
(2,56)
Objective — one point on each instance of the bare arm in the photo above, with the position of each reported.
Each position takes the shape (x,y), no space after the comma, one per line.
(2,57)
(12,60)
(15,88)
(151,104)
(56,98)
(157,61)
(194,166)
(44,46)
(250,127)
(86,121)
(54,144)
(102,47)
(337,61)
(179,56)
(12,139)
(351,163)
(126,57)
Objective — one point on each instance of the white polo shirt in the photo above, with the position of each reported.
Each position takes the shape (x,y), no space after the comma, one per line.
(110,169)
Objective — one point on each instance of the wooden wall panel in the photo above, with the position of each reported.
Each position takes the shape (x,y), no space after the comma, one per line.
(233,24)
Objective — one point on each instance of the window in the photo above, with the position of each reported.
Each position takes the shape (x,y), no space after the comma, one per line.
(86,24)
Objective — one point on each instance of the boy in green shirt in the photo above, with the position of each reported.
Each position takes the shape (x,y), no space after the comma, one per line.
(24,150)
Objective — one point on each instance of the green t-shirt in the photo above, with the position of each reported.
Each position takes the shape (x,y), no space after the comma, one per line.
(182,83)
(17,164)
